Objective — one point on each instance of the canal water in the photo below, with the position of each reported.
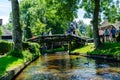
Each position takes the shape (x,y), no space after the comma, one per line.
(61,66)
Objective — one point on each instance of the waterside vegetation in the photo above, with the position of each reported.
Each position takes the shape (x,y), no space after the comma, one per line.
(106,49)
(13,59)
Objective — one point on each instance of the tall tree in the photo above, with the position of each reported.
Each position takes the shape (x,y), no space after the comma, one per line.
(17,32)
(94,9)
(48,14)
(95,23)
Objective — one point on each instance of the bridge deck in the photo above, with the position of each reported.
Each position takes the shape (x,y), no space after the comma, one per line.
(57,38)
(62,38)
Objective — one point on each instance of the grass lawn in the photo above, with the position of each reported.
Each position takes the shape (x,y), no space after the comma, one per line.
(112,49)
(85,49)
(8,62)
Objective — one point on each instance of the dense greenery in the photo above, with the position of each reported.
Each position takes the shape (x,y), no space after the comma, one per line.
(46,15)
(100,9)
(85,30)
(109,49)
(15,58)
(10,62)
(5,47)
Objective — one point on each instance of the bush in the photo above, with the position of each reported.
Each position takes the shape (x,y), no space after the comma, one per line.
(34,48)
(14,53)
(5,47)
(117,39)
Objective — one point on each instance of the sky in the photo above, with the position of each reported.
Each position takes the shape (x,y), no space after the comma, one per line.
(5,9)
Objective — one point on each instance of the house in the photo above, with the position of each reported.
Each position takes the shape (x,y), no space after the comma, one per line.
(106,24)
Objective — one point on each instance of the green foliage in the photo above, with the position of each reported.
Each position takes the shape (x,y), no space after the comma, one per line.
(14,53)
(5,47)
(8,46)
(109,9)
(89,31)
(9,26)
(47,14)
(16,58)
(27,55)
(109,49)
(34,48)
(1,31)
(28,33)
(82,27)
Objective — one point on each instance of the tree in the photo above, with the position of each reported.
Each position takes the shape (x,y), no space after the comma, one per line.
(48,14)
(89,31)
(94,9)
(95,23)
(17,32)
(81,27)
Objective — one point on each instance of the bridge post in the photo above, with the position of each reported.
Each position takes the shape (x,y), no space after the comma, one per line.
(69,46)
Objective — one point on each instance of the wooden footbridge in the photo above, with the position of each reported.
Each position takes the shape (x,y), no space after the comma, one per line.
(58,40)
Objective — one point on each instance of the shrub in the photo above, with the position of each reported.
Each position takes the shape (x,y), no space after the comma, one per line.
(25,45)
(34,48)
(5,47)
(14,53)
(27,55)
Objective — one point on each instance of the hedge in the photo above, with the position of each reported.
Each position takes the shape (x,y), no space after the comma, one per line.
(5,47)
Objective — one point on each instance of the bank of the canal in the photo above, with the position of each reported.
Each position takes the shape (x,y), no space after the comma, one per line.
(105,51)
(62,66)
(11,73)
(14,61)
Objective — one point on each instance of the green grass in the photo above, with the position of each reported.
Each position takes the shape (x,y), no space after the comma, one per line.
(111,49)
(85,49)
(9,61)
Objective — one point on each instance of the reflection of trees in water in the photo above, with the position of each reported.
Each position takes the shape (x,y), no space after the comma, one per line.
(67,63)
(109,63)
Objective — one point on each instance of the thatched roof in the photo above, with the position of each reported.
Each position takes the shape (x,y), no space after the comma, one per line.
(106,24)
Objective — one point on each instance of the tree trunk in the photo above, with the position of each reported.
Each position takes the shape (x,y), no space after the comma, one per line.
(95,23)
(17,32)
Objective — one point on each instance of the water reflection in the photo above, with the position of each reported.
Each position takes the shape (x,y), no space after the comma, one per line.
(61,66)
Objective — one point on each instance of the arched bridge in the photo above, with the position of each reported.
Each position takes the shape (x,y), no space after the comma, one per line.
(58,40)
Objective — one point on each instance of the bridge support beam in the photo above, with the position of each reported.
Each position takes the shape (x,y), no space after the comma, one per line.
(69,47)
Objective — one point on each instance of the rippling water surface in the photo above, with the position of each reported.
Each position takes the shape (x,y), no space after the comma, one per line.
(61,66)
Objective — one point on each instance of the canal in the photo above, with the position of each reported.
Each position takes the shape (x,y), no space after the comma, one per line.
(61,66)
